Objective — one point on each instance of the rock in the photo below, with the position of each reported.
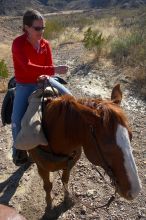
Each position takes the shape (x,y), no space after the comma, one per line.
(90,192)
(83,210)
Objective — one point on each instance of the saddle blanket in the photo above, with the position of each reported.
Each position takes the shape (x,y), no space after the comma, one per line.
(31,133)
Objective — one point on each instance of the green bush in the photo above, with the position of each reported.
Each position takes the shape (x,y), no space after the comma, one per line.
(57,25)
(124,49)
(3,69)
(93,40)
(53,28)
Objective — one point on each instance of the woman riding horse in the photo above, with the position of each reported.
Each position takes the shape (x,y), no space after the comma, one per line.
(32,57)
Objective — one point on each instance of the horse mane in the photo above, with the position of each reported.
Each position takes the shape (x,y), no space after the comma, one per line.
(70,110)
(108,111)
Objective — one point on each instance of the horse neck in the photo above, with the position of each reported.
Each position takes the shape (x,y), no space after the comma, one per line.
(75,127)
(64,126)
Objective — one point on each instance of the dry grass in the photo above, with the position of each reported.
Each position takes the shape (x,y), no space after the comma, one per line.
(70,35)
(125,31)
(5,51)
(3,85)
(125,35)
(5,54)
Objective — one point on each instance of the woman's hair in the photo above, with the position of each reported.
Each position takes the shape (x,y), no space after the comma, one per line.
(29,16)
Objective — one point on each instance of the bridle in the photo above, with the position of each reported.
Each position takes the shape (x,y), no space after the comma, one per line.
(106,167)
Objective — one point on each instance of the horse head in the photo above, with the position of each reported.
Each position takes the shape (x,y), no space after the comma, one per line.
(108,143)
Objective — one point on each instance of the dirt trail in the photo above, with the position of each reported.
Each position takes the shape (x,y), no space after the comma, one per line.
(22,187)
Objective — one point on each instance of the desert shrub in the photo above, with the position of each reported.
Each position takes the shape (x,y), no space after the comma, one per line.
(131,51)
(81,21)
(53,28)
(93,40)
(3,75)
(119,50)
(3,69)
(124,49)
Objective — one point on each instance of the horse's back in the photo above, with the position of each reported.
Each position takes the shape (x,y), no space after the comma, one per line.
(7,213)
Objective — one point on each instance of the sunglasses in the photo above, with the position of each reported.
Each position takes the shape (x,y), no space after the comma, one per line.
(38,28)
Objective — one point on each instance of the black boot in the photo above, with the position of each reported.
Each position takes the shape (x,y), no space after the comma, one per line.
(20,157)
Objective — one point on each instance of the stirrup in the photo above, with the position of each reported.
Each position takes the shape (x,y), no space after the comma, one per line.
(20,158)
(19,162)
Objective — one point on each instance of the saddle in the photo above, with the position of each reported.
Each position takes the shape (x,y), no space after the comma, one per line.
(31,133)
(7,104)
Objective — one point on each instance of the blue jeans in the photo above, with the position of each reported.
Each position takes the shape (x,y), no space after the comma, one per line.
(62,89)
(23,91)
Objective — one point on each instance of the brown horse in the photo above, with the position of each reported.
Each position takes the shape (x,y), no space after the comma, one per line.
(101,128)
(8,213)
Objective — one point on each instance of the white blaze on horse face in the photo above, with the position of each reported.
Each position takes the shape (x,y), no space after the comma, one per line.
(122,139)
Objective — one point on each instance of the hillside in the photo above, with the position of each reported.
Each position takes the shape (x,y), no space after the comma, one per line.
(17,7)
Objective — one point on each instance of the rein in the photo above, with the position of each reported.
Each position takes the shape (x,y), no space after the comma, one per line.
(55,93)
(50,155)
(106,166)
(107,169)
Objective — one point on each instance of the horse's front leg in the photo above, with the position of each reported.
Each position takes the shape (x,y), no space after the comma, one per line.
(65,179)
(47,185)
(66,174)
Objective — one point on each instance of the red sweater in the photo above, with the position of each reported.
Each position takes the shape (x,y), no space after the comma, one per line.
(30,63)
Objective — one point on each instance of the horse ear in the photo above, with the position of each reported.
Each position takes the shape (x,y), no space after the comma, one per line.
(116,95)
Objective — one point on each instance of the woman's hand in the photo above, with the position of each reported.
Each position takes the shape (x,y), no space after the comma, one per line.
(61,69)
(42,81)
(42,78)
